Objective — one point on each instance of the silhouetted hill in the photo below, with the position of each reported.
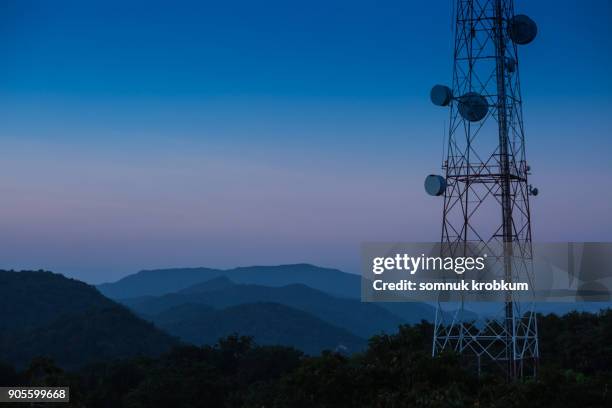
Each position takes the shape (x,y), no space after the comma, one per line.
(267,323)
(42,313)
(34,299)
(362,319)
(162,281)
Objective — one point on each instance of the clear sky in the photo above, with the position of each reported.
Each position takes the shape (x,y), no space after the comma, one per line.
(232,133)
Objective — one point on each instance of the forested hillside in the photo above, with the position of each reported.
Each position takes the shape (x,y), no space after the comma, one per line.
(396,370)
(47,314)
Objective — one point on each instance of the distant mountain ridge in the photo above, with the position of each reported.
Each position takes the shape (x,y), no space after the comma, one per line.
(362,319)
(43,313)
(162,281)
(219,283)
(155,283)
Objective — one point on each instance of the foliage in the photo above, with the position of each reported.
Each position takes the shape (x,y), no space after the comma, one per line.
(395,371)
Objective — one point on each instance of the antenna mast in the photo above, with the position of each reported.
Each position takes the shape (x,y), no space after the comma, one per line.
(486,179)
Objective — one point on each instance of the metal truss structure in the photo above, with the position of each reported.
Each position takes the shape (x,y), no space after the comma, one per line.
(486,179)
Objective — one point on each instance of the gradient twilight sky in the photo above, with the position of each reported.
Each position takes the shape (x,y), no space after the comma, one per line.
(236,133)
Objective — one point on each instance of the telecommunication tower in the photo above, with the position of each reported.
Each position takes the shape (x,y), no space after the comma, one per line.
(485,188)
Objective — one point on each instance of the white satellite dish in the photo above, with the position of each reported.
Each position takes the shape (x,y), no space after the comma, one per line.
(435,185)
(473,106)
(521,29)
(441,95)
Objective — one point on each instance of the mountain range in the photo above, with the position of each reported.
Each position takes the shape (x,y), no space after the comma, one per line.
(303,306)
(206,303)
(161,281)
(362,319)
(332,282)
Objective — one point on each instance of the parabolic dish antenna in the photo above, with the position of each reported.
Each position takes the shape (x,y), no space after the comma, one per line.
(521,29)
(435,185)
(473,106)
(441,95)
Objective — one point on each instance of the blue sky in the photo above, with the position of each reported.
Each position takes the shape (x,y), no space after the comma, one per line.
(182,134)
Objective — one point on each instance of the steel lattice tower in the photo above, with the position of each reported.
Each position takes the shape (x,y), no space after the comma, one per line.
(486,179)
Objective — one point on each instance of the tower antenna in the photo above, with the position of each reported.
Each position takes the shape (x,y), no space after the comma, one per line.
(486,180)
